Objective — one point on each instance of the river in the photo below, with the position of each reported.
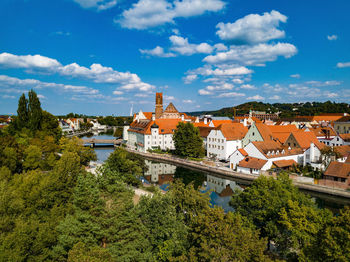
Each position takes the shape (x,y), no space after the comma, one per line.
(220,190)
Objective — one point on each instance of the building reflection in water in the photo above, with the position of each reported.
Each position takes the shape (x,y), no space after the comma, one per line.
(159,173)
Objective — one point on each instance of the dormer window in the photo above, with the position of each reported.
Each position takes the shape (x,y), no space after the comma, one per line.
(162,130)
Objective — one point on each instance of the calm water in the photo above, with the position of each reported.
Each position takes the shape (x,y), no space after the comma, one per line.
(220,189)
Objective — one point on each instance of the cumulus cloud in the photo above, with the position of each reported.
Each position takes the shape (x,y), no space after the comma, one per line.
(188,101)
(151,13)
(18,85)
(189,78)
(96,72)
(275,97)
(224,86)
(253,55)
(233,71)
(253,28)
(117,92)
(97,4)
(248,86)
(323,83)
(342,65)
(332,37)
(157,51)
(256,97)
(204,92)
(230,94)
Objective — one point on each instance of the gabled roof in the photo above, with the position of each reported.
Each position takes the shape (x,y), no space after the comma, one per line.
(166,126)
(338,169)
(343,150)
(343,119)
(273,149)
(305,139)
(323,131)
(284,163)
(216,123)
(233,131)
(264,131)
(252,162)
(282,129)
(326,118)
(171,109)
(204,130)
(345,137)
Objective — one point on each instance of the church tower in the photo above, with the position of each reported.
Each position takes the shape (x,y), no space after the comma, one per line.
(159,105)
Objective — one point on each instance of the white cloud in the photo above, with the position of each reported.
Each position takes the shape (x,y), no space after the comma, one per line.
(151,13)
(253,55)
(275,97)
(204,92)
(332,37)
(61,33)
(13,84)
(157,51)
(253,28)
(41,96)
(238,81)
(295,76)
(188,101)
(117,92)
(189,78)
(220,47)
(231,94)
(224,86)
(97,4)
(248,86)
(8,97)
(233,71)
(28,61)
(256,97)
(166,97)
(324,83)
(97,73)
(342,65)
(183,47)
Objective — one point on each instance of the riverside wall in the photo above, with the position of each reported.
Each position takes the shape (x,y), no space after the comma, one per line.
(241,177)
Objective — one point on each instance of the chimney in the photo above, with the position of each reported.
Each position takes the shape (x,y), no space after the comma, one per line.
(205,120)
(153,117)
(245,122)
(182,117)
(159,105)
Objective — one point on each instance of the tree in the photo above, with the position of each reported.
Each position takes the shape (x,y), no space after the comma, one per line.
(216,236)
(187,140)
(83,253)
(33,157)
(34,111)
(329,154)
(22,113)
(263,201)
(49,125)
(332,243)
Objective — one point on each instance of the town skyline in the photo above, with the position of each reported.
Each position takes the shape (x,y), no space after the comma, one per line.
(103,57)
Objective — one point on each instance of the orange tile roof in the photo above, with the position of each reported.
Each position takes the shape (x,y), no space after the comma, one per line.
(284,163)
(304,139)
(219,122)
(166,126)
(201,124)
(205,130)
(243,152)
(233,131)
(326,118)
(345,137)
(338,169)
(282,137)
(264,131)
(343,150)
(282,129)
(256,120)
(323,131)
(272,149)
(252,162)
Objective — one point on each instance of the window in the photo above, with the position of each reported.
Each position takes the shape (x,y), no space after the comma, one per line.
(253,133)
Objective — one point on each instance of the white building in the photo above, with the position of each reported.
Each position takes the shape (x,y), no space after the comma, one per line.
(225,139)
(236,157)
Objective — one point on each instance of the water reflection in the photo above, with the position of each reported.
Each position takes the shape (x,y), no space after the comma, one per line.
(220,190)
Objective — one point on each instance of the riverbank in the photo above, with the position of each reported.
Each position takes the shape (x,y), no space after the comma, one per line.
(242,178)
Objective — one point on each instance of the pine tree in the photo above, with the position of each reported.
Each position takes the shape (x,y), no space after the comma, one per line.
(34,111)
(22,113)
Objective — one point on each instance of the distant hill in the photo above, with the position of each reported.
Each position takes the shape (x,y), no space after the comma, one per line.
(285,109)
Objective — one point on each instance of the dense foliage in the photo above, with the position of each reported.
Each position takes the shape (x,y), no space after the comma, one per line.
(187,141)
(285,109)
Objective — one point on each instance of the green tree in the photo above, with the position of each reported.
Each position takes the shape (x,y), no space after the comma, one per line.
(33,157)
(22,113)
(187,140)
(217,236)
(263,201)
(332,242)
(49,125)
(34,111)
(83,253)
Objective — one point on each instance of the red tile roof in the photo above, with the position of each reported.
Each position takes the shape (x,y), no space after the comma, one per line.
(252,162)
(166,126)
(219,122)
(305,139)
(343,150)
(233,131)
(345,137)
(264,131)
(338,169)
(272,149)
(243,152)
(282,129)
(284,163)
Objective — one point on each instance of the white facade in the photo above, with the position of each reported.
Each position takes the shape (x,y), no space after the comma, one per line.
(218,184)
(235,157)
(157,169)
(248,171)
(125,133)
(219,147)
(312,156)
(252,151)
(337,141)
(143,142)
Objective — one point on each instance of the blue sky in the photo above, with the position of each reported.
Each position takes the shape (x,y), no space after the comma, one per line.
(101,57)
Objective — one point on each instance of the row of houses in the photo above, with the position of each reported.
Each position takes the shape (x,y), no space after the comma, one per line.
(249,144)
(72,125)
